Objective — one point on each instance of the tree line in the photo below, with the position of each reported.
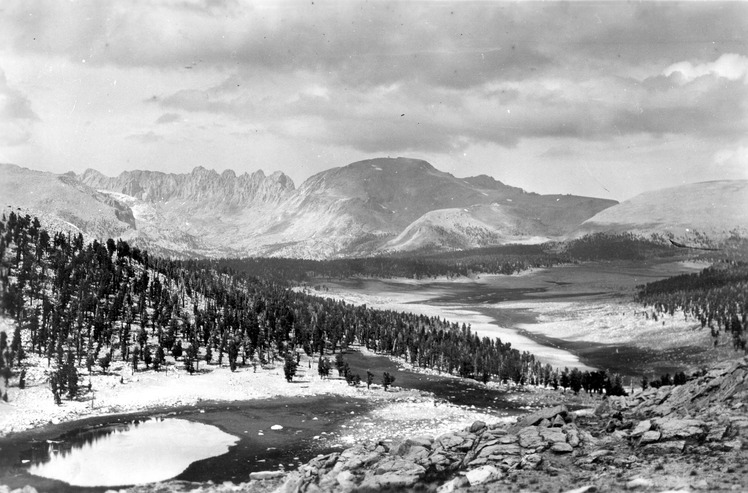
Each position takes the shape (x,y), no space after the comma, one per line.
(716,296)
(502,259)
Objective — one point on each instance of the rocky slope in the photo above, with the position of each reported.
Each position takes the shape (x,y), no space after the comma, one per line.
(687,213)
(360,209)
(64,200)
(690,437)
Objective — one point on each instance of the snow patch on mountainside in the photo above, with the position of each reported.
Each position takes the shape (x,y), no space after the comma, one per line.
(142,211)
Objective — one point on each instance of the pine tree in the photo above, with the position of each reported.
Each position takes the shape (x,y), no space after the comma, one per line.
(135,358)
(147,356)
(105,361)
(289,367)
(160,358)
(177,350)
(575,380)
(323,367)
(387,380)
(16,345)
(233,354)
(71,375)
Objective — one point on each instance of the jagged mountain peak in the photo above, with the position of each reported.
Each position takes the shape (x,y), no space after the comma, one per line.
(200,187)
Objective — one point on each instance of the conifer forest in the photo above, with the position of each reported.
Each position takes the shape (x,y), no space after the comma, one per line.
(79,303)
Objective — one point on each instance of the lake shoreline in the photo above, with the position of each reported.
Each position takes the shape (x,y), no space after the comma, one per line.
(120,391)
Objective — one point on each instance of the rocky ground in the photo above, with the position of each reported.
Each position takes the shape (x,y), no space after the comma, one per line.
(691,437)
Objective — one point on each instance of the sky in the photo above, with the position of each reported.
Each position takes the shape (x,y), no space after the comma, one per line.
(604,99)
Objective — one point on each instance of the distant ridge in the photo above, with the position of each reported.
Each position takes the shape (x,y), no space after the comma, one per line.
(686,213)
(365,208)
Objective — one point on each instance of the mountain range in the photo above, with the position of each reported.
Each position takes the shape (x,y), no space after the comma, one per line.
(366,208)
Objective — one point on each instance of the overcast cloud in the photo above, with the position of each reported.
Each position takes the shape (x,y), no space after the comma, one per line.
(606,99)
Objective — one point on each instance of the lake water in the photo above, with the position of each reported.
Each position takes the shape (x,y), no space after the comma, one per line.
(132,453)
(245,439)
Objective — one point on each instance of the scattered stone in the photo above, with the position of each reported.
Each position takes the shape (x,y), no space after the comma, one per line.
(477,427)
(673,446)
(553,435)
(639,483)
(412,449)
(482,474)
(600,453)
(423,441)
(701,484)
(572,437)
(680,428)
(583,489)
(537,417)
(509,439)
(712,438)
(736,444)
(531,461)
(389,481)
(649,437)
(716,433)
(641,428)
(455,484)
(501,449)
(477,462)
(529,438)
(562,448)
(265,475)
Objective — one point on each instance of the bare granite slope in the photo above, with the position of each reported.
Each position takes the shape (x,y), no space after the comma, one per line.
(686,212)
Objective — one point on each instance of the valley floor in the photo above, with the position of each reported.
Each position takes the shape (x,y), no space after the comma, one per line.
(569,316)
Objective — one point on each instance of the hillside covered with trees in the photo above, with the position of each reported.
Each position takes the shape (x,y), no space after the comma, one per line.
(717,297)
(87,304)
(503,259)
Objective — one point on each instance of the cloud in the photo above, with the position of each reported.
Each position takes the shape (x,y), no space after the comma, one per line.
(149,137)
(633,34)
(730,66)
(732,161)
(168,118)
(358,43)
(418,116)
(460,74)
(16,115)
(559,152)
